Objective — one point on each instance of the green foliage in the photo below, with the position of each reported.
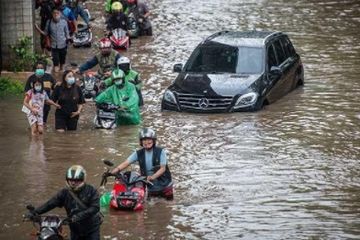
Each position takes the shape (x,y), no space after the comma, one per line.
(10,87)
(25,58)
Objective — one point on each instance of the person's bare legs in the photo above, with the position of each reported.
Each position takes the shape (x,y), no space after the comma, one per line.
(40,129)
(34,130)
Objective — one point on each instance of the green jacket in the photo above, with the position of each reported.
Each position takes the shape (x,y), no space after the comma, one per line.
(132,77)
(114,95)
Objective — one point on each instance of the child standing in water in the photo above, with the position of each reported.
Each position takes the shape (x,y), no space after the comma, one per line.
(34,100)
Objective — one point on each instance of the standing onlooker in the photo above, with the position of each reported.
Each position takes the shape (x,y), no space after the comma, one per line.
(48,81)
(57,29)
(46,8)
(69,96)
(34,100)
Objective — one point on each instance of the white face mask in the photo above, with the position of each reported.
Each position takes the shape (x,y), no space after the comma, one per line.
(118,82)
(70,80)
(38,88)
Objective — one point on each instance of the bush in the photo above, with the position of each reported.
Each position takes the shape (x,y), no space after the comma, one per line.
(25,58)
(10,87)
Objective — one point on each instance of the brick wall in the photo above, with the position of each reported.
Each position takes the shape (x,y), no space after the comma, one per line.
(16,20)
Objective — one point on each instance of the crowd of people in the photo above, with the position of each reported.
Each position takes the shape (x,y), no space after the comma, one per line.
(122,87)
(121,84)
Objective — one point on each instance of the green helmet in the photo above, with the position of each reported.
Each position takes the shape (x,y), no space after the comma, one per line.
(75,173)
(117,74)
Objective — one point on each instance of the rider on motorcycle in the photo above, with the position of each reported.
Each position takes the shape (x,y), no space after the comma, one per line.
(153,164)
(78,10)
(117,19)
(106,59)
(81,202)
(123,94)
(131,76)
(142,13)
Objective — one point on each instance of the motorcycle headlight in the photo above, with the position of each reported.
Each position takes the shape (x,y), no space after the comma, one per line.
(246,100)
(106,124)
(169,96)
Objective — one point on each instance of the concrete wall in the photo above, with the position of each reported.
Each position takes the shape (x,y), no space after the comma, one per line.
(16,20)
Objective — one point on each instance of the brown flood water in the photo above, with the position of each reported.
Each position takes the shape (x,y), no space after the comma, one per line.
(290,171)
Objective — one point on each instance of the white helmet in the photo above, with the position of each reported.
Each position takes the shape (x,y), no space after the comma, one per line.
(124,64)
(123,60)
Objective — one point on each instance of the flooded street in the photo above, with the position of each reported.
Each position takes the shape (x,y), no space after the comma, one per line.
(290,171)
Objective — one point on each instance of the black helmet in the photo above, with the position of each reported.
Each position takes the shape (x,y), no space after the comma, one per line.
(147,133)
(76,173)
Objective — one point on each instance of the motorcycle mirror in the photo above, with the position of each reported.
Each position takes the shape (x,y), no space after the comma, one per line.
(108,163)
(30,207)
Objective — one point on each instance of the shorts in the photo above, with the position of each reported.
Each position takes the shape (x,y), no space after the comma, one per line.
(35,119)
(65,122)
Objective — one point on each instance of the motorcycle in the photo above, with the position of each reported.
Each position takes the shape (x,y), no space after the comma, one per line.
(129,190)
(90,85)
(119,39)
(106,116)
(133,26)
(83,37)
(49,227)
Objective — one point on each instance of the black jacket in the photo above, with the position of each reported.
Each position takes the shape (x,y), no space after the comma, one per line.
(89,219)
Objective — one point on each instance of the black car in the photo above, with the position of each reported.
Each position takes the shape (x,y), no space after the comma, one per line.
(235,71)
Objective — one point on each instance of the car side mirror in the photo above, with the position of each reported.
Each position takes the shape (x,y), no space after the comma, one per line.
(178,67)
(275,71)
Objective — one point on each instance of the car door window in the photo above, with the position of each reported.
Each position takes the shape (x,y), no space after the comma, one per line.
(280,54)
(271,57)
(290,51)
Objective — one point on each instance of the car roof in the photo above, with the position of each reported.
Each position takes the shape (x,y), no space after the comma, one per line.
(243,38)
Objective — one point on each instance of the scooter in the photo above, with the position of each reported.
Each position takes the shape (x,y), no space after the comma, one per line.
(106,116)
(133,26)
(129,190)
(48,227)
(90,85)
(119,39)
(83,37)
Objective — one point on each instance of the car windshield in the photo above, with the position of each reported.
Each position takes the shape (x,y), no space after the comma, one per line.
(215,57)
(250,60)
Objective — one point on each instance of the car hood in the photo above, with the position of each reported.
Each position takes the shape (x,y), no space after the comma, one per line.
(223,84)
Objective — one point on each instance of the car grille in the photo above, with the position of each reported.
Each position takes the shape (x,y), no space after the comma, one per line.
(204,103)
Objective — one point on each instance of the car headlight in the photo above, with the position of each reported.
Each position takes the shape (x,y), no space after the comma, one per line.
(246,100)
(169,96)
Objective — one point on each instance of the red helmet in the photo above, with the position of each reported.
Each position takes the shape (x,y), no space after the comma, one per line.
(131,1)
(104,43)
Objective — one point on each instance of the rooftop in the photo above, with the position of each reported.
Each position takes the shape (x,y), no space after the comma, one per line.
(246,38)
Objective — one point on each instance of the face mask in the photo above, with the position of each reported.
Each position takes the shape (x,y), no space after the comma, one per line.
(38,88)
(118,82)
(70,80)
(39,72)
(125,68)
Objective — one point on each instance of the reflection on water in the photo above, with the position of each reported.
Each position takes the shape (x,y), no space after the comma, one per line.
(289,171)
